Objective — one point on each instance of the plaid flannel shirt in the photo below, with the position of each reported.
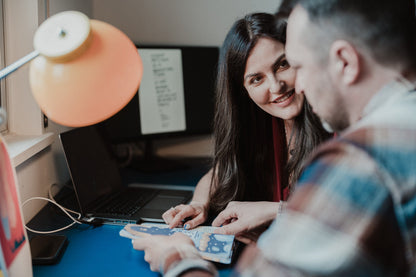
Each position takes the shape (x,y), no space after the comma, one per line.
(354,209)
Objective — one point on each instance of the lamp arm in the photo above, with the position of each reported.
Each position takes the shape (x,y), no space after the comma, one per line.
(17,64)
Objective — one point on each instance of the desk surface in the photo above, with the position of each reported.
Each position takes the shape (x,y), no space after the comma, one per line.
(101,251)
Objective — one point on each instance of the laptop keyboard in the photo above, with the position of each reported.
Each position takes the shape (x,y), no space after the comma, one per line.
(127,203)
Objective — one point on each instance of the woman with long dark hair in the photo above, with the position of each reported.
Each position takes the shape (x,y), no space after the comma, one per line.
(263,132)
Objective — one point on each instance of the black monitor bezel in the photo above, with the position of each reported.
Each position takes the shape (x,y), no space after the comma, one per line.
(116,134)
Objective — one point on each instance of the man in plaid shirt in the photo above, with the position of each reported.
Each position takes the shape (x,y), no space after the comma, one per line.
(354,209)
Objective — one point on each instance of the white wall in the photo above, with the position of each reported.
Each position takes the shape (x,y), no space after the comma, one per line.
(178,22)
(20,22)
(84,6)
(184,22)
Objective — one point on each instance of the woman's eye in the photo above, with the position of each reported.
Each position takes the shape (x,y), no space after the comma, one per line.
(255,80)
(284,64)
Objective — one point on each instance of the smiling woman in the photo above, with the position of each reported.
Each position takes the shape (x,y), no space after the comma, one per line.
(263,132)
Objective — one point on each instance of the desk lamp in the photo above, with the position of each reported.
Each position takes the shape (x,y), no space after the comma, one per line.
(82,71)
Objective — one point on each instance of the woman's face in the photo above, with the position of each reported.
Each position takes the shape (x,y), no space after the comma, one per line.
(270,81)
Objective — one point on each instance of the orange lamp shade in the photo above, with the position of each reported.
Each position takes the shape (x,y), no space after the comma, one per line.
(91,83)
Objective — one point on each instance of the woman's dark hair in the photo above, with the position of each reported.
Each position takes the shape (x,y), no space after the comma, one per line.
(244,165)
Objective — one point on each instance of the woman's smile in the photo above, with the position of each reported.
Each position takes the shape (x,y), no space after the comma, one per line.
(270,81)
(285,99)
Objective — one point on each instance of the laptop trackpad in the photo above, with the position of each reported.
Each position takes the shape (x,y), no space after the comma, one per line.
(154,209)
(164,202)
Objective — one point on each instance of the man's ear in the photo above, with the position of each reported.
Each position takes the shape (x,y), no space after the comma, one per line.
(344,62)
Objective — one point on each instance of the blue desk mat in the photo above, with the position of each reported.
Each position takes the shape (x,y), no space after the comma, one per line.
(99,251)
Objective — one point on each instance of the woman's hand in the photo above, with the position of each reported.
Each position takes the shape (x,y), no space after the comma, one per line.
(196,212)
(162,251)
(189,216)
(246,220)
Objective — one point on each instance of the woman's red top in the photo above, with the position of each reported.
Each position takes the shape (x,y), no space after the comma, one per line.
(281,192)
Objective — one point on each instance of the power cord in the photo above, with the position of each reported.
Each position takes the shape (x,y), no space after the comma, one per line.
(75,220)
(67,211)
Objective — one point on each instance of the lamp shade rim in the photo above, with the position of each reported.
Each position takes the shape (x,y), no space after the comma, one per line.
(91,87)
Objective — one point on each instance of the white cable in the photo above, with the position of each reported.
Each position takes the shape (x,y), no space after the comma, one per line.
(59,206)
(53,199)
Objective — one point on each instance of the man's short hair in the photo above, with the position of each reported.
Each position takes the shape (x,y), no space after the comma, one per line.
(384,28)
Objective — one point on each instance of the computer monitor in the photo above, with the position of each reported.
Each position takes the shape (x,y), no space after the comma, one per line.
(175,99)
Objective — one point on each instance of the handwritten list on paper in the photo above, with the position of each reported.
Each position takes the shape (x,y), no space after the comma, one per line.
(161,93)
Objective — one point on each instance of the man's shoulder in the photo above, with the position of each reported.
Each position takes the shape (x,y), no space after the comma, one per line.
(372,150)
(397,110)
(374,139)
(384,139)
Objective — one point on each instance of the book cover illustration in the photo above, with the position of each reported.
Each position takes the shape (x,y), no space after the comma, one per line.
(213,247)
(14,247)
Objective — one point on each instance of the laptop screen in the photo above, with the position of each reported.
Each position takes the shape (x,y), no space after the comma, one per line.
(93,171)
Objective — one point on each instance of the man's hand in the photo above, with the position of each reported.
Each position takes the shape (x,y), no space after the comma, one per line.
(159,249)
(246,220)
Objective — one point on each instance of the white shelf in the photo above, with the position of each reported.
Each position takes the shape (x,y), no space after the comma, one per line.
(23,147)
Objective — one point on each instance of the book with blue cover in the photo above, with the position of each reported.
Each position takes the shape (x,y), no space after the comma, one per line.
(214,247)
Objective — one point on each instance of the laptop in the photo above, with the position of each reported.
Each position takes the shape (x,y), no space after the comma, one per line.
(98,184)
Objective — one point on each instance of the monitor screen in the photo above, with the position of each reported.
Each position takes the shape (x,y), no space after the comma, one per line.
(176,97)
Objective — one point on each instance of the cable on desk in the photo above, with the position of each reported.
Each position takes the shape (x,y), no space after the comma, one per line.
(65,210)
(59,206)
(94,222)
(53,199)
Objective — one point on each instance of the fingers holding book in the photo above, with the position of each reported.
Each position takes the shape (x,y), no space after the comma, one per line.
(189,216)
